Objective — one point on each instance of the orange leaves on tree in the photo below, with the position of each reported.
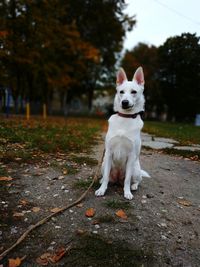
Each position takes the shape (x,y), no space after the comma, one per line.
(90,212)
(121,214)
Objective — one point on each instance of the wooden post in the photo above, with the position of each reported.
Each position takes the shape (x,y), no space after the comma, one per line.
(44,111)
(27,110)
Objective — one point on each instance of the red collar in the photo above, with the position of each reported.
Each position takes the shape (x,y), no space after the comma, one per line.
(132,116)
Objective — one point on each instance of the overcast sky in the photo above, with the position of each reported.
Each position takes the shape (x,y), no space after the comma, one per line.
(159,19)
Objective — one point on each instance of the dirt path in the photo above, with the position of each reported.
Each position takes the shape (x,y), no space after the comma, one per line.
(162,228)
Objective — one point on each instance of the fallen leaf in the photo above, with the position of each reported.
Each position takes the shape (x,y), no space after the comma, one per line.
(4,178)
(36,209)
(185,202)
(43,259)
(95,222)
(121,214)
(18,214)
(65,171)
(90,212)
(58,255)
(80,231)
(15,262)
(55,210)
(23,202)
(80,205)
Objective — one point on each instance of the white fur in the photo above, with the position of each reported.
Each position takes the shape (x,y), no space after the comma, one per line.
(123,141)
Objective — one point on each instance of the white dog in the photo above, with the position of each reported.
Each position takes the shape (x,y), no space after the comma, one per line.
(123,141)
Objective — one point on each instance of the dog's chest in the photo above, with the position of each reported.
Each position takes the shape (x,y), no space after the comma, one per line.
(124,127)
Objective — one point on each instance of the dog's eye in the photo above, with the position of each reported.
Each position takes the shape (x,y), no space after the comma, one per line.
(121,92)
(133,92)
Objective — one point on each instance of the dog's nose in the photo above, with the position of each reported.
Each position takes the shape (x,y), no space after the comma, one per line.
(125,104)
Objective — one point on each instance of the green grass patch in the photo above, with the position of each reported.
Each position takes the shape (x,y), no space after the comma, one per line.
(84,160)
(107,218)
(117,204)
(185,133)
(194,155)
(3,171)
(93,250)
(70,135)
(84,183)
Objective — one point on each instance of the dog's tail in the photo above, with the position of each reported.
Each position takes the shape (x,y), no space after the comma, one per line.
(145,174)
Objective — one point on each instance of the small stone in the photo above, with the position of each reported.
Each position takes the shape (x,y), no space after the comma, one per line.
(62,187)
(150,195)
(163,237)
(57,227)
(55,195)
(95,232)
(143,201)
(97,226)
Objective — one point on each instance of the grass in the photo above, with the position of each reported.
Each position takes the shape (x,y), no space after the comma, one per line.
(117,204)
(84,184)
(184,133)
(21,139)
(84,160)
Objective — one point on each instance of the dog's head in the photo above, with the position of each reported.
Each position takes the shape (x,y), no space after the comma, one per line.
(129,97)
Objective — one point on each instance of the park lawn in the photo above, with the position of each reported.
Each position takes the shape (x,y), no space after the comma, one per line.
(185,133)
(24,139)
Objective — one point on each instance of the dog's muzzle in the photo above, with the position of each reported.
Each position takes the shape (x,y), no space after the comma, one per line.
(125,104)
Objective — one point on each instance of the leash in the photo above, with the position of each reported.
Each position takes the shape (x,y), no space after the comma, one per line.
(47,218)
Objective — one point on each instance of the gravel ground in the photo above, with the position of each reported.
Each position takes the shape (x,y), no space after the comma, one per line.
(162,226)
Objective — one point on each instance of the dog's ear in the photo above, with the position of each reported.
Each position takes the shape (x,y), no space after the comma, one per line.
(121,76)
(139,76)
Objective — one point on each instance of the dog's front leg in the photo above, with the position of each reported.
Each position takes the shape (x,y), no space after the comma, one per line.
(106,173)
(127,181)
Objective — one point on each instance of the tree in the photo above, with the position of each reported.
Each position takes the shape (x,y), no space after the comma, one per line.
(59,45)
(179,75)
(104,25)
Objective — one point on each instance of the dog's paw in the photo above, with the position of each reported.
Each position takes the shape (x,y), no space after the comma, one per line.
(128,195)
(134,186)
(100,192)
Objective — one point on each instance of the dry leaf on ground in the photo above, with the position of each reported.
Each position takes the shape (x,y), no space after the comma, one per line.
(23,202)
(43,259)
(54,257)
(15,262)
(65,171)
(185,202)
(36,209)
(121,214)
(55,210)
(90,212)
(80,205)
(58,255)
(18,214)
(5,178)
